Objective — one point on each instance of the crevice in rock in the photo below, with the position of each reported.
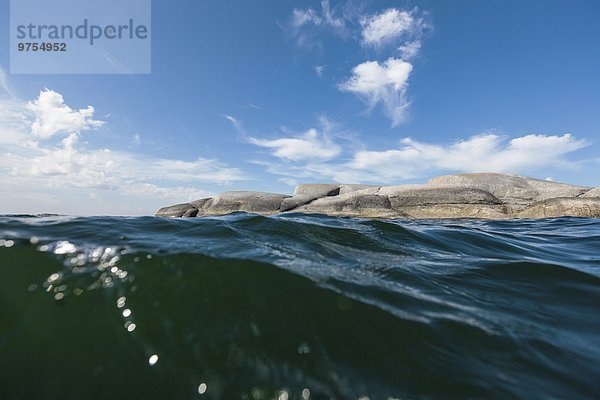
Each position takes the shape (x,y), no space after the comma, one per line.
(583,193)
(307,203)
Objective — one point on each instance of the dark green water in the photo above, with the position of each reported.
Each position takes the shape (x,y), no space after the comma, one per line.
(296,307)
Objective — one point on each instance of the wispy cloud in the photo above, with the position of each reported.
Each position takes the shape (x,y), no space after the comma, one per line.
(237,124)
(386,83)
(4,83)
(306,23)
(324,17)
(409,50)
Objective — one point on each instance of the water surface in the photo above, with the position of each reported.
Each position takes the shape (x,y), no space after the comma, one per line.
(295,307)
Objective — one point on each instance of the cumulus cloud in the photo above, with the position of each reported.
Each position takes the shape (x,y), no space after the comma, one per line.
(62,165)
(391,25)
(386,83)
(312,145)
(53,116)
(374,81)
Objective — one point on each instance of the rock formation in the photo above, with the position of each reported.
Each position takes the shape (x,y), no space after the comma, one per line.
(483,195)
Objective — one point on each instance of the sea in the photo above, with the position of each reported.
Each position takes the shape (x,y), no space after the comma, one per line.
(298,306)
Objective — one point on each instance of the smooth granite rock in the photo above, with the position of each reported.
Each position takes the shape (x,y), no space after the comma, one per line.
(252,202)
(404,196)
(306,193)
(202,203)
(592,193)
(345,189)
(563,207)
(294,202)
(483,195)
(191,213)
(517,192)
(175,211)
(359,203)
(316,190)
(451,211)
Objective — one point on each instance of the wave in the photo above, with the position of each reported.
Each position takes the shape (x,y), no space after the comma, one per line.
(299,306)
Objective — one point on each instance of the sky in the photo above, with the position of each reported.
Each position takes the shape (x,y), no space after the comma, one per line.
(265,95)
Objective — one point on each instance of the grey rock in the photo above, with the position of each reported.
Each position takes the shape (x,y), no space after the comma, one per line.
(562,207)
(316,190)
(202,203)
(296,201)
(423,195)
(345,189)
(517,192)
(424,201)
(306,193)
(359,204)
(252,202)
(192,212)
(486,195)
(175,211)
(551,189)
(592,193)
(451,211)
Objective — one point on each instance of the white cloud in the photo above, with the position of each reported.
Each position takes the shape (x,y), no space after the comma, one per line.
(330,18)
(482,153)
(311,17)
(409,49)
(66,176)
(312,145)
(415,159)
(391,25)
(71,164)
(305,17)
(306,23)
(386,83)
(373,81)
(53,116)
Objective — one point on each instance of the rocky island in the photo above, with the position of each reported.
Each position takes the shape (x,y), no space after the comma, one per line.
(477,195)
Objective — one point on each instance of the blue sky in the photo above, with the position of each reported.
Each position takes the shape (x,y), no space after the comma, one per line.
(264,95)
